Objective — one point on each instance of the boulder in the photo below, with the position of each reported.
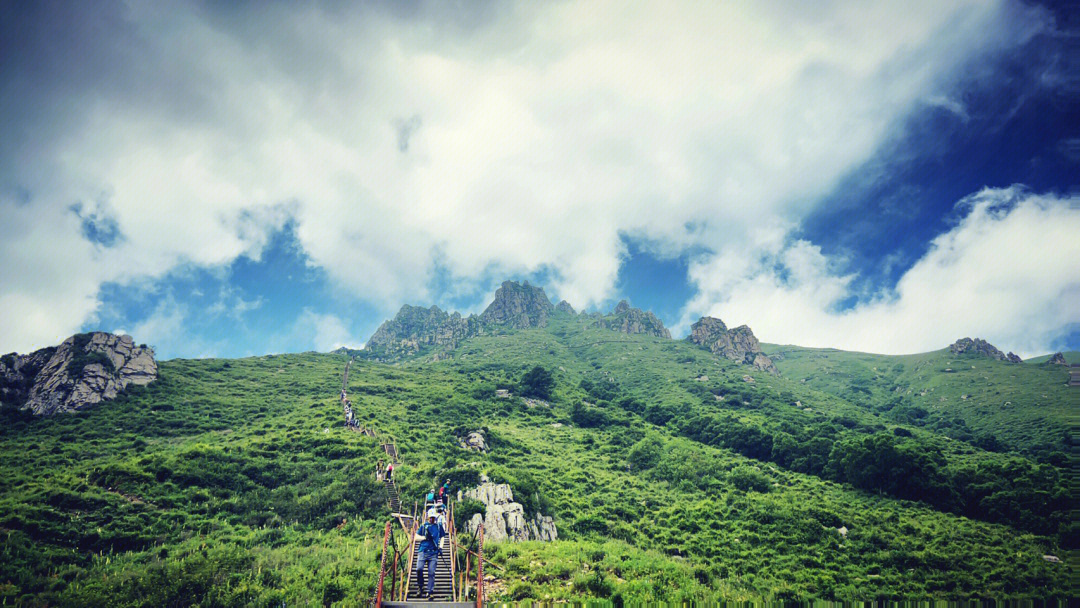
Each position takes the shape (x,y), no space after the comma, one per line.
(84,370)
(475,440)
(739,344)
(1057,359)
(505,519)
(983,348)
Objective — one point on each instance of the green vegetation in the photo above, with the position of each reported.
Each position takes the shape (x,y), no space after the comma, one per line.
(669,476)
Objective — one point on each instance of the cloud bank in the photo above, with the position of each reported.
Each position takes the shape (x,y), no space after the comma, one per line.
(515,138)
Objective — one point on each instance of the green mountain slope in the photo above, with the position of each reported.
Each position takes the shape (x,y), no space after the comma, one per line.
(992,404)
(1072,357)
(672,474)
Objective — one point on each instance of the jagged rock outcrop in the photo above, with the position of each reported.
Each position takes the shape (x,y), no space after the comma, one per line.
(84,370)
(506,519)
(1057,359)
(518,305)
(564,306)
(981,347)
(739,344)
(475,440)
(415,328)
(631,320)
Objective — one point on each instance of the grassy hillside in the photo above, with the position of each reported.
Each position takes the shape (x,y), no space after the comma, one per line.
(1072,357)
(993,404)
(669,475)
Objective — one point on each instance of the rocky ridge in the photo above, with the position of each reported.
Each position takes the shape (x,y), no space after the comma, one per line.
(414,328)
(979,346)
(631,320)
(505,519)
(739,344)
(564,306)
(83,370)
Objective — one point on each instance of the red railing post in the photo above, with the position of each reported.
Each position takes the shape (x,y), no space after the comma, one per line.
(480,570)
(382,567)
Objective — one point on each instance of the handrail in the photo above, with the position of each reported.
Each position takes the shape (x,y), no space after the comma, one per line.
(409,563)
(382,567)
(451,552)
(480,570)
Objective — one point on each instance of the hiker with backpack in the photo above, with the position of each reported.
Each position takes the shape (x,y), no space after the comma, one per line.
(430,534)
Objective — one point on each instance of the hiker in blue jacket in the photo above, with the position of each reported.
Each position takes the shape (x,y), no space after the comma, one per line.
(429,554)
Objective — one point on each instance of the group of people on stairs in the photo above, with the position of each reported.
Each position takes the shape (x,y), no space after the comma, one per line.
(430,535)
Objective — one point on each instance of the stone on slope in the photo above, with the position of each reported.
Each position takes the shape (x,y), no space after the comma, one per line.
(739,344)
(84,370)
(981,347)
(505,519)
(1057,359)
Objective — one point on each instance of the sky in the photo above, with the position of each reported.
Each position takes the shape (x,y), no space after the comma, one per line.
(235,179)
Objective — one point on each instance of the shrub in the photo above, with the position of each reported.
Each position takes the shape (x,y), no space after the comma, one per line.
(749,479)
(537,383)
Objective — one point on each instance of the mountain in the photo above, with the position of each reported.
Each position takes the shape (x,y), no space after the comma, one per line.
(518,305)
(82,371)
(670,471)
(414,329)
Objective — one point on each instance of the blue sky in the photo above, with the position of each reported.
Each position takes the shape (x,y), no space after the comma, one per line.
(236,180)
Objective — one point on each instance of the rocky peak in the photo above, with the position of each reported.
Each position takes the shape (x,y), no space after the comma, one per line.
(739,344)
(979,346)
(84,370)
(505,519)
(564,306)
(1057,359)
(415,328)
(631,320)
(518,305)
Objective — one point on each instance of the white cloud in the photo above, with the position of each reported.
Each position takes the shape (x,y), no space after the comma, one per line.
(325,332)
(542,132)
(1008,272)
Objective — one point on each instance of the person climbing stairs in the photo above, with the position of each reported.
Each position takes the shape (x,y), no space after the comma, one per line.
(444,590)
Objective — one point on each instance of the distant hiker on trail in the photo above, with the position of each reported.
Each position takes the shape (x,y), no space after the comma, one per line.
(446,491)
(441,519)
(429,536)
(440,497)
(390,471)
(431,495)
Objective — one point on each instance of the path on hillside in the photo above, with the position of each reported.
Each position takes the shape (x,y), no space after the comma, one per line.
(1074,374)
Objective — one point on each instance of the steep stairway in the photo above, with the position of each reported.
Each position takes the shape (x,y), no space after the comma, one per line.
(444,590)
(392,495)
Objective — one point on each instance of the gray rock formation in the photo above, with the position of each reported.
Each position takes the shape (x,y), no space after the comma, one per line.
(84,370)
(506,519)
(631,320)
(981,347)
(475,440)
(564,306)
(414,329)
(1057,359)
(737,344)
(518,305)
